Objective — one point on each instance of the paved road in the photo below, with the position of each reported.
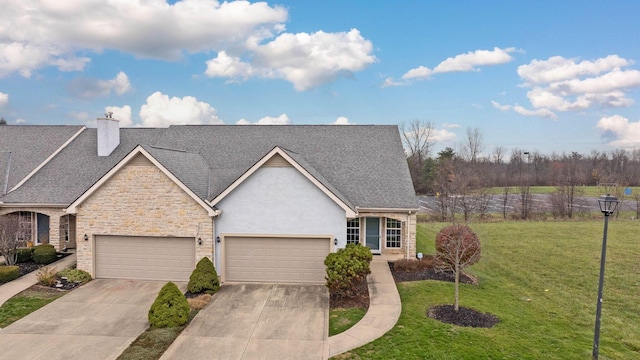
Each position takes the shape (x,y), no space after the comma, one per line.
(97,321)
(429,204)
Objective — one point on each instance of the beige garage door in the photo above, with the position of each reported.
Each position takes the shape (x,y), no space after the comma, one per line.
(280,260)
(144,258)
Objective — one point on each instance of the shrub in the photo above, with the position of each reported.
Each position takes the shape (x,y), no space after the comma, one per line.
(409,265)
(8,273)
(47,276)
(24,255)
(347,271)
(170,309)
(204,278)
(44,254)
(75,275)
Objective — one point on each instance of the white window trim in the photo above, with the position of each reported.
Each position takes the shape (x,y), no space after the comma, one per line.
(353,228)
(394,234)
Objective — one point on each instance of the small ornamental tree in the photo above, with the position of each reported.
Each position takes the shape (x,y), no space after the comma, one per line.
(457,247)
(9,239)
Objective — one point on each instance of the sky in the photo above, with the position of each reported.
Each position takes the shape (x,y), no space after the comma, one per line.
(547,76)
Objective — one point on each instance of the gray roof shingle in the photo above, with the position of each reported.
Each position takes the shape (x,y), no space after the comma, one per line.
(29,147)
(364,165)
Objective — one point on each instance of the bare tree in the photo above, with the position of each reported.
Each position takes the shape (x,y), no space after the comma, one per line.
(457,247)
(473,145)
(9,238)
(417,137)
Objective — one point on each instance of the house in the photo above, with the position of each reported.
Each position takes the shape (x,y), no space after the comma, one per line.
(266,203)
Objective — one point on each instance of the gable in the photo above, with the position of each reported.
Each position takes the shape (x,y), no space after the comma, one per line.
(141,171)
(280,158)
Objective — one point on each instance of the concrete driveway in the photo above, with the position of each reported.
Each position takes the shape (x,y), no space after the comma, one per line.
(97,321)
(251,321)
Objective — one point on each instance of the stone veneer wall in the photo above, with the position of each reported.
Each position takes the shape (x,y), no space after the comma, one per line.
(54,221)
(409,223)
(140,200)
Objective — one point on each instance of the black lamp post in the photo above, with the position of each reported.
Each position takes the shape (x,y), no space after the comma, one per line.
(608,205)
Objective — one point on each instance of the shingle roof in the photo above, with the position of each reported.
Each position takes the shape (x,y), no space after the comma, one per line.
(364,165)
(29,147)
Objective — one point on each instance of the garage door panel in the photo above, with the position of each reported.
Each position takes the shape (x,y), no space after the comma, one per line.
(148,258)
(265,259)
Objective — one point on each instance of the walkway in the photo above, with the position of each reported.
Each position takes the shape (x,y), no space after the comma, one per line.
(384,311)
(8,290)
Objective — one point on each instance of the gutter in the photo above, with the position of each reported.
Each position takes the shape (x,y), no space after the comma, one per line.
(409,210)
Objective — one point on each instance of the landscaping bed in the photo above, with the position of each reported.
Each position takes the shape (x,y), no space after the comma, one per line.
(31,266)
(425,269)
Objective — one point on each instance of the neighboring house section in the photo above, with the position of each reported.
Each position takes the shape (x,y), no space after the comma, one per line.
(266,203)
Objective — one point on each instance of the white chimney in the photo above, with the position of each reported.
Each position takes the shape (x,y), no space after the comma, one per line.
(108,134)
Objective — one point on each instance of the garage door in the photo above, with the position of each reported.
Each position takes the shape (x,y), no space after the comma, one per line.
(279,260)
(144,258)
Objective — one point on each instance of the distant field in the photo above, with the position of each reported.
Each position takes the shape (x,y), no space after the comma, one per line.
(540,279)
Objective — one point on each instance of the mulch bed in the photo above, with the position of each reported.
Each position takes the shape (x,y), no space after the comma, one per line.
(359,301)
(463,317)
(429,274)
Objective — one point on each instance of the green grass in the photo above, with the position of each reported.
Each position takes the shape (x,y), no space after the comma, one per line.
(540,279)
(591,191)
(340,320)
(153,342)
(25,303)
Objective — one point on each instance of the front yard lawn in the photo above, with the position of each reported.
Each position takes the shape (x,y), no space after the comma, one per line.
(27,302)
(540,279)
(341,319)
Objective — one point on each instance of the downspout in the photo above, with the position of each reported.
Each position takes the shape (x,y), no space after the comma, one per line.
(408,240)
(6,179)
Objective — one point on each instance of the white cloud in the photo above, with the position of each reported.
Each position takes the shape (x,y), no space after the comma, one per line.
(341,121)
(463,62)
(537,112)
(162,111)
(267,120)
(57,33)
(21,121)
(559,84)
(4,99)
(305,60)
(123,114)
(442,135)
(388,82)
(620,132)
(557,68)
(93,88)
(498,106)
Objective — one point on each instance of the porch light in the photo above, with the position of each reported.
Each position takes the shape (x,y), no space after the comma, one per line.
(86,237)
(218,239)
(335,242)
(199,241)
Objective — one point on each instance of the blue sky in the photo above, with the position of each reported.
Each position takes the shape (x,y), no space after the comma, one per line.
(535,75)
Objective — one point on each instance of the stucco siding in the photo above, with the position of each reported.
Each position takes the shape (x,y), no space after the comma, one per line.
(280,200)
(140,200)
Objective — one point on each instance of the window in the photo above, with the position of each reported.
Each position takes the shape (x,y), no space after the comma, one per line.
(394,231)
(353,231)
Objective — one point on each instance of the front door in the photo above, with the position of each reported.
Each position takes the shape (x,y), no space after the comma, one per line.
(372,231)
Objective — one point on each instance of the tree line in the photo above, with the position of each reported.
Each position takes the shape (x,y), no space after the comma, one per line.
(462,177)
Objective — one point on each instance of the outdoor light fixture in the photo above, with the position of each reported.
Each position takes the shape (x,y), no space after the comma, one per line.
(86,237)
(419,256)
(199,241)
(608,205)
(335,242)
(217,239)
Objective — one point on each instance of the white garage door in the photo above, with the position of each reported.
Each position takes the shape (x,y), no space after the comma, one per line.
(144,258)
(279,260)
